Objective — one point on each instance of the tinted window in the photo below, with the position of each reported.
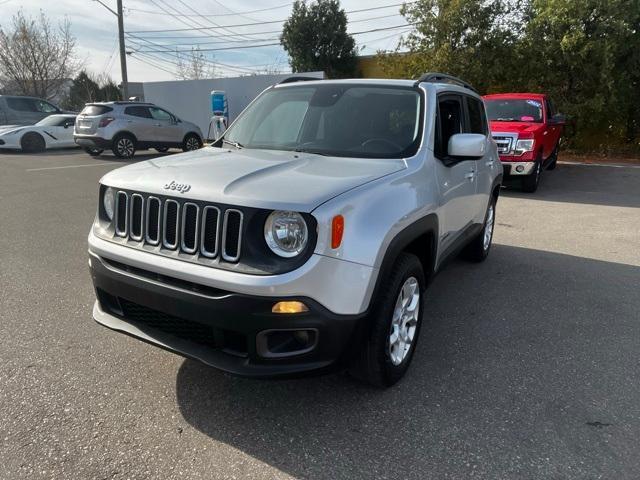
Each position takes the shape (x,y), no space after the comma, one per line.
(159,114)
(93,110)
(45,107)
(514,110)
(551,111)
(477,122)
(348,120)
(22,104)
(138,111)
(56,121)
(449,123)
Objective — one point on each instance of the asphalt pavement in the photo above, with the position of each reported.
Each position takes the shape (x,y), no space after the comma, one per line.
(528,368)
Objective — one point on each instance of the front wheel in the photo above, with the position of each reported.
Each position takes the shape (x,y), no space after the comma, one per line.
(191,142)
(393,327)
(33,143)
(530,182)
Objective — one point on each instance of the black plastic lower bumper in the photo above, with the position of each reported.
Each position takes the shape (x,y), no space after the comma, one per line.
(222,329)
(92,142)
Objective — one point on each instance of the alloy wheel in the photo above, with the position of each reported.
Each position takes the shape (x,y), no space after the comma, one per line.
(404,321)
(488,228)
(125,147)
(192,143)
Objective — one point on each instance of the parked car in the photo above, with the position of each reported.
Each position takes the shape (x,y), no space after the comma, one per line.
(527,130)
(305,237)
(54,131)
(125,127)
(17,110)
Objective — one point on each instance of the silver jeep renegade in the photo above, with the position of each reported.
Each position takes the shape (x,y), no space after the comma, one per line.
(304,238)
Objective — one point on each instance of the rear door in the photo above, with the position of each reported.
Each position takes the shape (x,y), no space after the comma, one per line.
(167,129)
(456,179)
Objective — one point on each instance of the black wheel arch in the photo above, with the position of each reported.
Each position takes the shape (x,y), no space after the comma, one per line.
(186,135)
(124,133)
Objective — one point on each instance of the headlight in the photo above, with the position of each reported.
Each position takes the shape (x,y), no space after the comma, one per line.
(525,145)
(109,201)
(286,233)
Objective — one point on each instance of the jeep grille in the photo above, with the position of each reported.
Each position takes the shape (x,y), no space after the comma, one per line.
(178,225)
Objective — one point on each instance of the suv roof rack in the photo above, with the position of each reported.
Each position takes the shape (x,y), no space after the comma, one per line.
(129,102)
(435,77)
(298,79)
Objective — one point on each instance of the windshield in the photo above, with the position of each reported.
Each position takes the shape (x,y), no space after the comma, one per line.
(54,121)
(332,119)
(514,110)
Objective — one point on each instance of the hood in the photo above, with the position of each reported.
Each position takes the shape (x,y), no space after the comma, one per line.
(516,127)
(4,129)
(252,178)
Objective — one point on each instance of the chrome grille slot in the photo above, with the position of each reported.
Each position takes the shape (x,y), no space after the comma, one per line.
(170,223)
(505,143)
(189,230)
(210,229)
(122,214)
(137,217)
(231,235)
(153,221)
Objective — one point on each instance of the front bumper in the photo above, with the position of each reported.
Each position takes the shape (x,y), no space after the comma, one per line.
(90,141)
(223,329)
(518,168)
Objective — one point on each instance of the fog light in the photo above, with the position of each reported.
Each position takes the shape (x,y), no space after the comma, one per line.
(289,307)
(520,168)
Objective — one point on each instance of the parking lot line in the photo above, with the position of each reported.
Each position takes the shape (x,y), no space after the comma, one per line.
(68,166)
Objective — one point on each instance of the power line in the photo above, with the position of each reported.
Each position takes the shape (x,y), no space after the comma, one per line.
(261,23)
(215,15)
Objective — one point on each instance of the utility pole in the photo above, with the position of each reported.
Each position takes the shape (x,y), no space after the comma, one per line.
(123,53)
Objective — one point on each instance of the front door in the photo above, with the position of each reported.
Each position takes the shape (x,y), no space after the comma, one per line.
(456,179)
(167,129)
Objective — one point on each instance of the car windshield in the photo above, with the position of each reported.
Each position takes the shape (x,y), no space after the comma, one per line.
(346,120)
(52,121)
(514,110)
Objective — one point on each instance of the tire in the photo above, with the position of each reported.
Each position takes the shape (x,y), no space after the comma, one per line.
(94,152)
(162,149)
(380,360)
(530,182)
(554,158)
(191,142)
(478,248)
(124,145)
(32,143)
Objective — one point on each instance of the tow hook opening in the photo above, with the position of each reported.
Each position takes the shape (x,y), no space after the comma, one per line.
(286,342)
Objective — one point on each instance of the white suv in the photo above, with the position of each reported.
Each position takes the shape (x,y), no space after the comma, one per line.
(304,239)
(125,127)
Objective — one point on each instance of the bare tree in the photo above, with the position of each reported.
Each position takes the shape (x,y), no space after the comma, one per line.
(36,58)
(194,66)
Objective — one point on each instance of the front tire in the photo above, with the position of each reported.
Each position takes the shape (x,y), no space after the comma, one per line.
(530,182)
(124,146)
(393,327)
(32,143)
(191,142)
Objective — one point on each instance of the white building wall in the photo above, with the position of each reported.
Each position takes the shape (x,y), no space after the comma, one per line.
(191,99)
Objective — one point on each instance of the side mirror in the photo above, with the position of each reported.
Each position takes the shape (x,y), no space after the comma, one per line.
(466,146)
(559,118)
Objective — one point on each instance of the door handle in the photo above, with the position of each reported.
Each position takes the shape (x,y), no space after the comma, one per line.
(469,175)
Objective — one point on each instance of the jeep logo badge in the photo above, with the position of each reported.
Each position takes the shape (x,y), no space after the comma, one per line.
(180,187)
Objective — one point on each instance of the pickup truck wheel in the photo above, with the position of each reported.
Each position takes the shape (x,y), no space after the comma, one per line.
(124,146)
(393,327)
(530,182)
(478,248)
(554,158)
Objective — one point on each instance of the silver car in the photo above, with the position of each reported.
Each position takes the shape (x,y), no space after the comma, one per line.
(125,127)
(304,239)
(20,110)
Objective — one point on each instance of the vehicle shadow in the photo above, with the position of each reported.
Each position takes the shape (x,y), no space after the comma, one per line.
(518,367)
(587,184)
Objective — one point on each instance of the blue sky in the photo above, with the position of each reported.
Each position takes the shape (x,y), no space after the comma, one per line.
(95,29)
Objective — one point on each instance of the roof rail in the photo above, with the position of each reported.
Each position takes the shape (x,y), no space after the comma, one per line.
(298,79)
(435,77)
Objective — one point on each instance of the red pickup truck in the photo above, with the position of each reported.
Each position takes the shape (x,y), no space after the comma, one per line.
(527,130)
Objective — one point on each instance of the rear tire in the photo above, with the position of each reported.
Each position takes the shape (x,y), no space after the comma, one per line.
(191,142)
(32,143)
(478,248)
(94,152)
(124,146)
(530,182)
(390,338)
(554,158)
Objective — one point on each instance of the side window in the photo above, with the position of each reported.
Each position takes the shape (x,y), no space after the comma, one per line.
(138,111)
(45,107)
(69,121)
(449,122)
(159,114)
(550,109)
(272,129)
(477,117)
(21,104)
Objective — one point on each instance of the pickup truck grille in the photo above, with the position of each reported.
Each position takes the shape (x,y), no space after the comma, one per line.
(181,226)
(506,142)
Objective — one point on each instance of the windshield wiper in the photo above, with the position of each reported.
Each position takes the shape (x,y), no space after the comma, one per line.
(505,120)
(307,150)
(233,144)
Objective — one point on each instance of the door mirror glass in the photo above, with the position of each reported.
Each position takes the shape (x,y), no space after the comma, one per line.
(467,146)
